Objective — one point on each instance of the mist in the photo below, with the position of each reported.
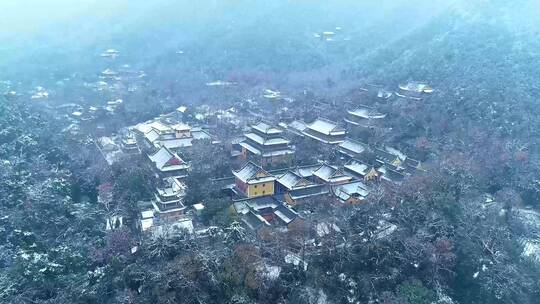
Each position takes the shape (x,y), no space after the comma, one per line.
(276,151)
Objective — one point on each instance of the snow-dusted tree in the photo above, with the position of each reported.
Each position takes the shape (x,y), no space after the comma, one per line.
(235,233)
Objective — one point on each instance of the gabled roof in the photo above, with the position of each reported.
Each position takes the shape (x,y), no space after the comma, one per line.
(146,127)
(411,163)
(181,127)
(306,171)
(266,141)
(250,148)
(285,214)
(266,128)
(298,125)
(262,202)
(353,146)
(292,180)
(367,112)
(330,174)
(390,174)
(326,127)
(417,87)
(253,173)
(177,143)
(395,152)
(151,135)
(315,190)
(358,167)
(160,127)
(165,160)
(357,188)
(254,221)
(385,156)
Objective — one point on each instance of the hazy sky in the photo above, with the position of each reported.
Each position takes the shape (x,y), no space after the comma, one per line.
(30,16)
(23,16)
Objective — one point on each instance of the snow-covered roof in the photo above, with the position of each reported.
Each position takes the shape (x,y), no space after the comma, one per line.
(107,143)
(390,174)
(358,188)
(262,202)
(366,112)
(326,127)
(353,146)
(417,87)
(315,190)
(160,127)
(307,171)
(250,148)
(152,135)
(385,156)
(165,160)
(330,173)
(266,128)
(278,152)
(185,224)
(266,142)
(177,143)
(174,188)
(395,152)
(147,223)
(251,172)
(199,134)
(181,127)
(181,109)
(147,214)
(108,72)
(198,206)
(297,125)
(285,214)
(291,180)
(254,221)
(358,167)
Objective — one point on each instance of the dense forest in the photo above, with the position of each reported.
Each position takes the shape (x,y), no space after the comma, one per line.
(462,227)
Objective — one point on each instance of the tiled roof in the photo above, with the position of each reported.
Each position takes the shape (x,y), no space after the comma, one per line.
(353,188)
(162,157)
(297,125)
(254,221)
(366,112)
(391,175)
(330,174)
(291,180)
(385,156)
(309,192)
(263,141)
(285,214)
(353,146)
(358,167)
(250,148)
(307,171)
(151,135)
(417,87)
(326,127)
(177,143)
(262,202)
(266,128)
(249,172)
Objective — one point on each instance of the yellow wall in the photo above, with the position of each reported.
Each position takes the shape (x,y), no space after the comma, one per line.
(371,175)
(183,134)
(255,190)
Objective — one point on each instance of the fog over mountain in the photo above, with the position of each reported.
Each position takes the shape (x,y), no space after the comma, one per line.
(280,151)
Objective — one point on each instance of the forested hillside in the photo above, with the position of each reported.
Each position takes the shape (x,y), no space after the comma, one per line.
(460,231)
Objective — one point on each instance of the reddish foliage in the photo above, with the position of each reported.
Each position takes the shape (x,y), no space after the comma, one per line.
(174,161)
(521,156)
(422,143)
